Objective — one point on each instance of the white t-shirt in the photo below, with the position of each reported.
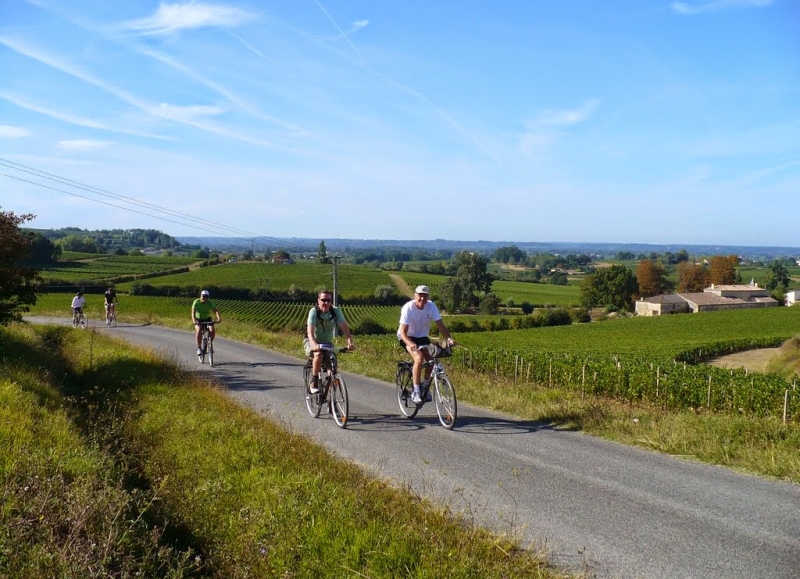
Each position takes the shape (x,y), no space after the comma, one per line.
(418,320)
(78,302)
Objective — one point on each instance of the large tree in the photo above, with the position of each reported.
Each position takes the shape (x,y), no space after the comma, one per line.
(470,282)
(692,277)
(722,270)
(777,276)
(652,278)
(17,282)
(615,286)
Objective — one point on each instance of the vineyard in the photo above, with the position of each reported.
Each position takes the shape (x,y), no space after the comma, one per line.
(353,281)
(101,269)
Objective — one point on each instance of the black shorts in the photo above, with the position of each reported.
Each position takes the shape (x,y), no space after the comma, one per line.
(418,341)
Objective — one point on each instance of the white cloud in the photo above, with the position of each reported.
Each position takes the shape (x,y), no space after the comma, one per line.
(83,145)
(174,17)
(12,132)
(717,5)
(565,117)
(187,113)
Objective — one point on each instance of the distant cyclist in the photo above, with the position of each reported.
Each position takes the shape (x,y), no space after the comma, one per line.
(111,300)
(415,323)
(323,318)
(77,304)
(202,309)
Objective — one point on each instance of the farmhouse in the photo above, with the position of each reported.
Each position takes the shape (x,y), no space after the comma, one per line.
(792,297)
(721,297)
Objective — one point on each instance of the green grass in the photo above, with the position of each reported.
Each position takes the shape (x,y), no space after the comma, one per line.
(213,479)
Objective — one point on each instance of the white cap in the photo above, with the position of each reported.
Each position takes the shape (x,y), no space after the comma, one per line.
(422,289)
(205,293)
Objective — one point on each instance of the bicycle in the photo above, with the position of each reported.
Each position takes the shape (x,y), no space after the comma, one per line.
(111,319)
(79,320)
(444,394)
(206,344)
(330,382)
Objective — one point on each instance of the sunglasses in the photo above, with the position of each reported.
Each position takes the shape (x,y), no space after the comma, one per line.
(325,301)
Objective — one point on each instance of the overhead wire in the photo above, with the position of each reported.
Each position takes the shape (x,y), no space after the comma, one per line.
(183,218)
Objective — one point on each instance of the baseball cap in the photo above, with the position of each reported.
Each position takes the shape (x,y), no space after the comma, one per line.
(422,289)
(205,293)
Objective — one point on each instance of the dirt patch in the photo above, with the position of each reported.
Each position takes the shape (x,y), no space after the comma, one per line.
(402,285)
(752,360)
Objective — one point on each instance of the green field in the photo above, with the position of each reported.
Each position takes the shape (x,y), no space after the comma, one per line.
(103,269)
(353,281)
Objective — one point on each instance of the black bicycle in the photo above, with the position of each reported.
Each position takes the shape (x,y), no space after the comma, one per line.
(206,343)
(443,392)
(332,388)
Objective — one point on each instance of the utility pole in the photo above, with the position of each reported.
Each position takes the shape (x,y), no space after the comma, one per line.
(335,290)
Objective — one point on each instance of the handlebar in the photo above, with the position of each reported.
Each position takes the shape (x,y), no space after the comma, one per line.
(328,348)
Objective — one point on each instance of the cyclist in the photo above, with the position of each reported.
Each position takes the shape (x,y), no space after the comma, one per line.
(77,305)
(202,309)
(323,318)
(415,323)
(111,299)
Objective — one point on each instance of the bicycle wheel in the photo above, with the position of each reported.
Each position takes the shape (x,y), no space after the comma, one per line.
(83,323)
(113,320)
(202,355)
(313,401)
(339,402)
(211,352)
(446,405)
(405,385)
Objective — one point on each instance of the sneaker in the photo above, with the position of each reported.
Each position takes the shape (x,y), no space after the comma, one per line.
(312,387)
(199,351)
(416,398)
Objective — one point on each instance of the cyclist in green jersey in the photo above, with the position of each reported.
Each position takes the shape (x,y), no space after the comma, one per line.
(202,309)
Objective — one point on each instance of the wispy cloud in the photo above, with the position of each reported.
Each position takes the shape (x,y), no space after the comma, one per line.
(78,145)
(540,129)
(188,113)
(170,18)
(76,120)
(685,9)
(342,32)
(153,110)
(13,132)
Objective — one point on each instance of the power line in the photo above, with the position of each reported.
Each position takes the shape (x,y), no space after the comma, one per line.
(194,222)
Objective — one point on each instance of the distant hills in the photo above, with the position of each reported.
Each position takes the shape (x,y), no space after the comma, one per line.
(299,244)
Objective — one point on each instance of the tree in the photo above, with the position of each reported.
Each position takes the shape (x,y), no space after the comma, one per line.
(692,277)
(42,250)
(559,278)
(722,270)
(615,286)
(17,282)
(777,277)
(652,278)
(490,305)
(322,253)
(471,277)
(509,254)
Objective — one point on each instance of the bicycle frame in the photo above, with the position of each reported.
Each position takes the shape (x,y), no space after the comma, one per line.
(207,343)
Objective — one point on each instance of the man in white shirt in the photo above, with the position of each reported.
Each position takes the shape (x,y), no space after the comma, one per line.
(415,323)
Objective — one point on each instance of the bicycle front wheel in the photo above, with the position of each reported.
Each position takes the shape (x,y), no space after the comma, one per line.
(405,386)
(113,320)
(339,402)
(446,404)
(83,323)
(211,352)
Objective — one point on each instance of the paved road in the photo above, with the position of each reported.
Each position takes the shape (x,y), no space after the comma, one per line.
(611,510)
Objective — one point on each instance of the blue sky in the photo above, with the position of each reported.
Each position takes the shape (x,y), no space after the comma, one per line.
(635,121)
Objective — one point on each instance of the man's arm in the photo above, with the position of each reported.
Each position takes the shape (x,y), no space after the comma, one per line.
(410,345)
(346,331)
(443,330)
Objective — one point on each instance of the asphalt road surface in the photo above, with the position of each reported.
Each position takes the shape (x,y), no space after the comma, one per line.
(610,510)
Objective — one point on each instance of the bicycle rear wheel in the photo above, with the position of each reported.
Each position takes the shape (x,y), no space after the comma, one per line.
(446,404)
(339,402)
(113,320)
(405,386)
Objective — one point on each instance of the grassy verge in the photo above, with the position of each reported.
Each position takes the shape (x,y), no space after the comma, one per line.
(200,486)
